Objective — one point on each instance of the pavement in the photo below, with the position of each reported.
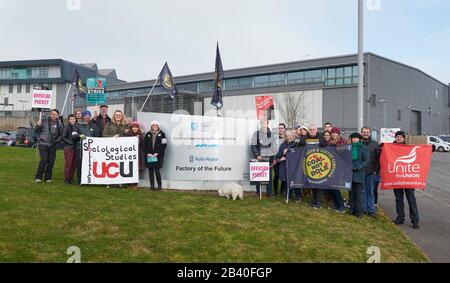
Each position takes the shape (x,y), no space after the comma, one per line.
(434,211)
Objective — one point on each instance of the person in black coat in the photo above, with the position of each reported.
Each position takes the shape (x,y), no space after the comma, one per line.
(155,144)
(400,138)
(70,161)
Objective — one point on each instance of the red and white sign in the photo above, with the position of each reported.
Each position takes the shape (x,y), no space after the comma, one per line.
(108,161)
(41,99)
(405,166)
(264,104)
(259,171)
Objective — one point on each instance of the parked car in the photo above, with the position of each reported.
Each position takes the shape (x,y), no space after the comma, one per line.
(8,138)
(446,139)
(438,144)
(25,137)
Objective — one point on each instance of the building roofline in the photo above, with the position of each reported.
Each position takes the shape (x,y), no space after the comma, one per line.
(252,71)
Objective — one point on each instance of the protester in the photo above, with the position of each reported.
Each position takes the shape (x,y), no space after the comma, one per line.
(135,131)
(276,167)
(400,138)
(116,128)
(102,120)
(78,115)
(361,160)
(262,145)
(50,131)
(154,146)
(280,158)
(368,193)
(334,195)
(327,127)
(336,138)
(313,137)
(327,137)
(87,128)
(70,161)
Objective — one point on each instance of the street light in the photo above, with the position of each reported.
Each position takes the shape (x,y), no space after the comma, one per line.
(384,101)
(360,64)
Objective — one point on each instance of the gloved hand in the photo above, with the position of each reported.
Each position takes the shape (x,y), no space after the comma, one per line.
(82,137)
(355,169)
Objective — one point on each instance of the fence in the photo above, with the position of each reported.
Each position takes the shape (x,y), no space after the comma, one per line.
(11,124)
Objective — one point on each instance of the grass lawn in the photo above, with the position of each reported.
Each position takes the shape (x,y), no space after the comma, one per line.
(40,221)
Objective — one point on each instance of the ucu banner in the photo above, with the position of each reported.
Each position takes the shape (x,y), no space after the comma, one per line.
(405,166)
(109,161)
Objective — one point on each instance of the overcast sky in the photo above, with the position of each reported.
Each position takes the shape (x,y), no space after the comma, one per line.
(136,37)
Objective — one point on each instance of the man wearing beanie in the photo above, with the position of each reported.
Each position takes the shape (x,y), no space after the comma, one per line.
(360,160)
(372,172)
(400,138)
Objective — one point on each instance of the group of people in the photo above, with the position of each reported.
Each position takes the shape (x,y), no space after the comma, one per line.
(363,197)
(51,131)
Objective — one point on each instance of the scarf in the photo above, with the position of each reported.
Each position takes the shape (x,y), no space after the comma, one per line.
(355,149)
(154,134)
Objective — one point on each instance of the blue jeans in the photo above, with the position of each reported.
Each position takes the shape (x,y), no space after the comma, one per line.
(369,194)
(338,201)
(268,186)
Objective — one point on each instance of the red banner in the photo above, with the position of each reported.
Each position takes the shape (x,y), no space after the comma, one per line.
(264,104)
(405,166)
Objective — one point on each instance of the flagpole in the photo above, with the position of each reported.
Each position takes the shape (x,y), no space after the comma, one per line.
(65,100)
(148,96)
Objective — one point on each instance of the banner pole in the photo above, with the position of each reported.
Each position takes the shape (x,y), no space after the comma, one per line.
(148,96)
(65,100)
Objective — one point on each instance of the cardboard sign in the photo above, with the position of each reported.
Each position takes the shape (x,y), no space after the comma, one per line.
(259,171)
(388,135)
(41,99)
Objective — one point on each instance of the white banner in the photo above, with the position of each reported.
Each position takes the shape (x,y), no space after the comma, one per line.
(202,148)
(109,161)
(41,99)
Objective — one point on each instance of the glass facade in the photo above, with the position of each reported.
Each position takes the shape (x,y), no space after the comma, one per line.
(40,72)
(330,77)
(341,76)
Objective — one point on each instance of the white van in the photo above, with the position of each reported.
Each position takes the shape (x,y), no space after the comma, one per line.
(438,144)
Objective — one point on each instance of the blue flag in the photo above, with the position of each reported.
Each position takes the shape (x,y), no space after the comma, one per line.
(318,167)
(218,80)
(78,84)
(165,79)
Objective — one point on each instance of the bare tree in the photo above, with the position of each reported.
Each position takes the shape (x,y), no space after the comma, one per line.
(292,107)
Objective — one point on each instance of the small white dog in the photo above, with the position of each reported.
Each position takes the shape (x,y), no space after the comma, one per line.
(232,190)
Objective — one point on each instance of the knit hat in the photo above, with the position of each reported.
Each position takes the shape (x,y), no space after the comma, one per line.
(304,127)
(155,123)
(356,135)
(335,130)
(400,133)
(135,123)
(87,113)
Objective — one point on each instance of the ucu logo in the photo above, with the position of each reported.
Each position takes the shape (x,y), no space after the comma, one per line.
(112,170)
(404,164)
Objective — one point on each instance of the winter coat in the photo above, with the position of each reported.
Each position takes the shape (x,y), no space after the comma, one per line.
(360,165)
(140,135)
(101,123)
(113,129)
(159,147)
(374,150)
(308,139)
(263,144)
(67,137)
(50,134)
(89,130)
(280,154)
